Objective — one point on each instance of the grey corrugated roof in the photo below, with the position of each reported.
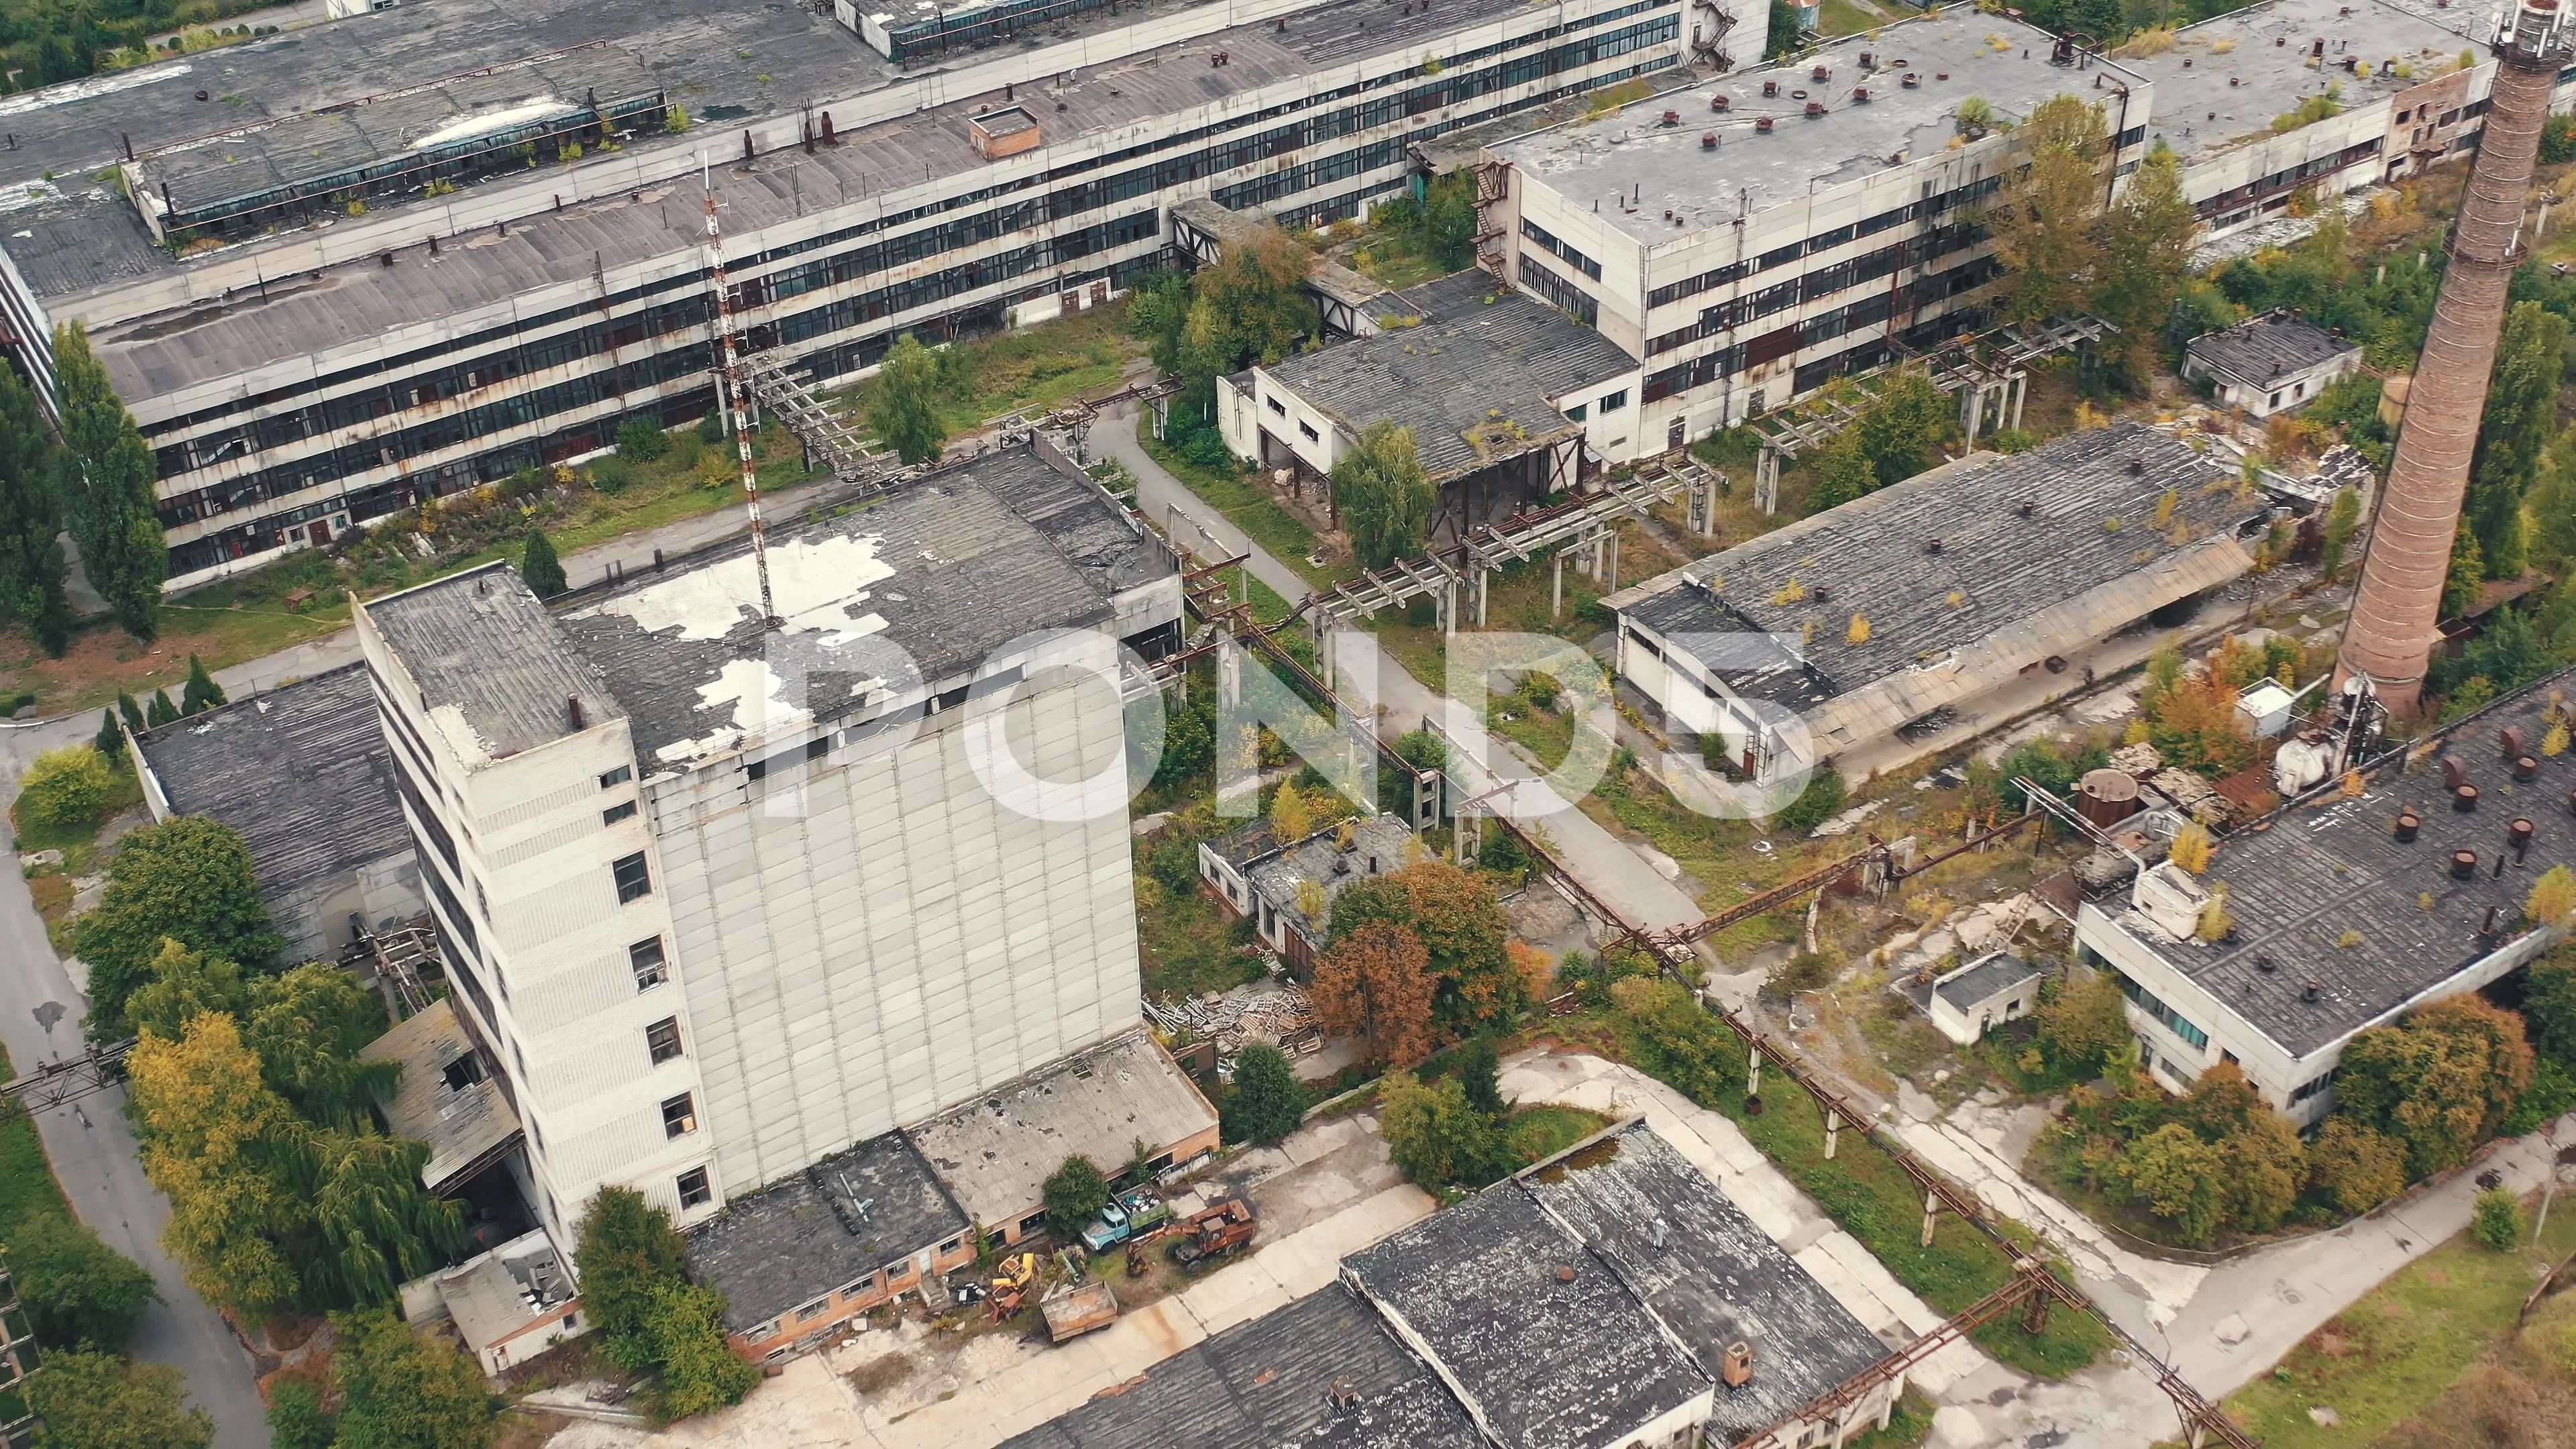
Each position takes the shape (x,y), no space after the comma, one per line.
(2297,882)
(1267,1383)
(2260,349)
(72,240)
(1717,1280)
(1984,980)
(944,568)
(301,773)
(2094,523)
(829,1226)
(488,656)
(1474,380)
(1548,1364)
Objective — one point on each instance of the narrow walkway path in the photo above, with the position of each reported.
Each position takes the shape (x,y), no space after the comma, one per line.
(1616,875)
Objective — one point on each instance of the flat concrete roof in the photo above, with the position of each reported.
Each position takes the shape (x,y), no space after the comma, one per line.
(2252,65)
(1633,154)
(495,671)
(995,1154)
(363,299)
(831,1225)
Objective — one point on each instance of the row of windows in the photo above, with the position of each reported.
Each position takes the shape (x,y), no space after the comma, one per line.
(1559,293)
(1564,252)
(1824,241)
(1072,201)
(2174,1021)
(2288,177)
(592,389)
(1820,283)
(1727,361)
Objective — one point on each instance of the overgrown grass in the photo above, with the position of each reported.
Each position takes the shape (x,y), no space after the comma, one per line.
(1865,1190)
(1540,1132)
(27,1184)
(1045,366)
(2395,1350)
(1248,508)
(1191,950)
(1841,17)
(1907,1427)
(78,843)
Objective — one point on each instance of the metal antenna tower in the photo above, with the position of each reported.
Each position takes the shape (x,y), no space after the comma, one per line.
(730,394)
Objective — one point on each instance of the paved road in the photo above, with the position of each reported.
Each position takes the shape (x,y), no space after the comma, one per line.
(1615,874)
(92,1149)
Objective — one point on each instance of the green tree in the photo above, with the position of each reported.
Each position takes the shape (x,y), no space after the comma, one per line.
(311,1027)
(2440,1082)
(2467,581)
(1383,499)
(2550,539)
(1449,220)
(625,1253)
(131,713)
(185,984)
(2549,1004)
(109,741)
(2082,1024)
(1437,1137)
(539,567)
(1076,1194)
(2044,222)
(99,1401)
(66,789)
(2557,140)
(903,403)
(2359,1167)
(1479,1073)
(1843,472)
(1901,430)
(187,878)
(641,440)
(2497,1219)
(200,693)
(2521,414)
(1249,305)
(108,488)
(295,1417)
(2343,520)
(1820,800)
(1457,915)
(401,1390)
(2508,653)
(1782,36)
(1266,1102)
(31,558)
(78,1291)
(2146,257)
(160,710)
(2173,1174)
(700,1371)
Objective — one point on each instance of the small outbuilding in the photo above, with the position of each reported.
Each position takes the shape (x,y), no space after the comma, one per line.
(1984,994)
(2270,363)
(1254,875)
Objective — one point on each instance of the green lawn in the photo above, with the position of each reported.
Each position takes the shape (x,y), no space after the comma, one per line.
(1542,1132)
(1190,948)
(2393,1353)
(78,844)
(1841,17)
(1248,508)
(1872,1197)
(1909,1426)
(26,1179)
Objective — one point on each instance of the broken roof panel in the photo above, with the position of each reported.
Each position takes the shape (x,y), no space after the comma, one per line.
(444,1098)
(2259,350)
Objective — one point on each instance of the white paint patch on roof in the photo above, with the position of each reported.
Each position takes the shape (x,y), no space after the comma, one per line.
(815,584)
(504,119)
(753,695)
(449,723)
(90,89)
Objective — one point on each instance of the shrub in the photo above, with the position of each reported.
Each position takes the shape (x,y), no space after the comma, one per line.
(1076,1194)
(2498,1220)
(641,440)
(612,473)
(1822,800)
(66,789)
(1266,1102)
(79,1292)
(2558,140)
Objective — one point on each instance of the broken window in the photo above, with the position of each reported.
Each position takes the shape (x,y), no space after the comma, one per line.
(646,957)
(463,1072)
(615,813)
(679,1116)
(693,1188)
(633,879)
(662,1038)
(616,777)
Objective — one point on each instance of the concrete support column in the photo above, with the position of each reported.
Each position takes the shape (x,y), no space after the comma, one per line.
(2020,393)
(1931,1215)
(1753,1072)
(1833,1130)
(1611,586)
(1972,411)
(1556,599)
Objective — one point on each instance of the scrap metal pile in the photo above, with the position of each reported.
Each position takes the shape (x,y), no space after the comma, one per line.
(1276,1011)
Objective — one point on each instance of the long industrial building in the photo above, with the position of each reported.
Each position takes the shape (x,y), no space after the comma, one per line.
(344,268)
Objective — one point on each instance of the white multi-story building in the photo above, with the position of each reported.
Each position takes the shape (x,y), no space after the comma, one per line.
(1755,236)
(325,305)
(721,898)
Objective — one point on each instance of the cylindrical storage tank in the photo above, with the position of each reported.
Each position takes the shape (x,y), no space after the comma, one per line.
(2106,797)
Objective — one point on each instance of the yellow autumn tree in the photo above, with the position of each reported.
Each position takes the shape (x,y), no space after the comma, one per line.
(206,1121)
(2553,897)
(2193,847)
(1290,817)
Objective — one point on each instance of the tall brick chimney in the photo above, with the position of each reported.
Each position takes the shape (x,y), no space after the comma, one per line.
(2391,632)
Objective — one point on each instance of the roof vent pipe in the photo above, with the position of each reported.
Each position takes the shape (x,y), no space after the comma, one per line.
(2465,799)
(2408,822)
(2313,991)
(2513,741)
(1737,1368)
(2464,864)
(2525,768)
(572,711)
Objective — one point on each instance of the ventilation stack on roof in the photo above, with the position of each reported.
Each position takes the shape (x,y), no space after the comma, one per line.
(2392,628)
